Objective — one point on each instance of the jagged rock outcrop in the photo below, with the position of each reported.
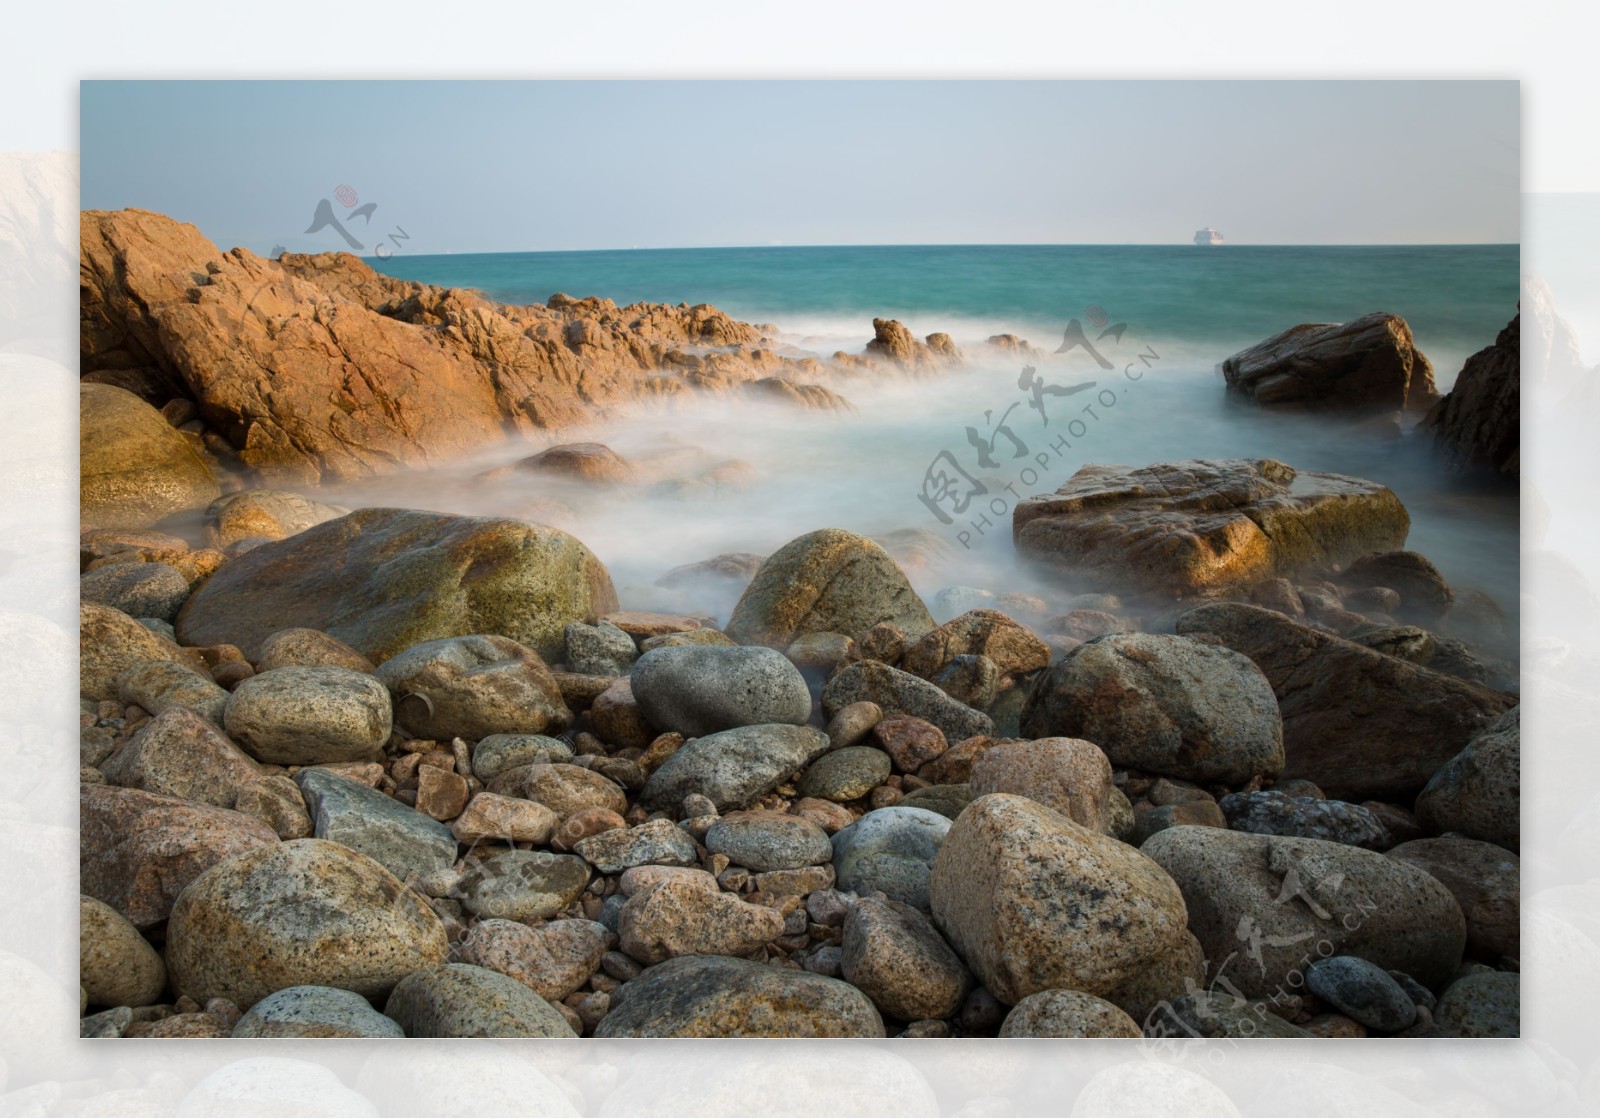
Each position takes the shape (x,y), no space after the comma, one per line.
(1478,424)
(1370,363)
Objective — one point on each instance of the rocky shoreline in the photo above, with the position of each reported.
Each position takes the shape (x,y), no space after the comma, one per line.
(392,773)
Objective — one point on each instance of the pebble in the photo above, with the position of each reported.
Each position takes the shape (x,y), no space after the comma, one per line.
(769,841)
(1363,991)
(847,774)
(518,885)
(659,842)
(852,723)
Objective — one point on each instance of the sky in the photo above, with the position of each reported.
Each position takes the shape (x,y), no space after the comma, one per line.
(558,165)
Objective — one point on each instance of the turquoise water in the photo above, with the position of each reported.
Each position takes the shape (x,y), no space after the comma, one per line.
(864,470)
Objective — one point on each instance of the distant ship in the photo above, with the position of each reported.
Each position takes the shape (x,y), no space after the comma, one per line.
(1208,236)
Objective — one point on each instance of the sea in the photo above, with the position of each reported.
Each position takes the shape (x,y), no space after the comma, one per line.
(1144,330)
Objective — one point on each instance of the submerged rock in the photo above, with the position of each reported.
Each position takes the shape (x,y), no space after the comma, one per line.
(1368,364)
(264,515)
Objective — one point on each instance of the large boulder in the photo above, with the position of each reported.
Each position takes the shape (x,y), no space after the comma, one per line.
(733,767)
(828,581)
(383,580)
(473,687)
(1034,902)
(1478,422)
(1358,723)
(1264,907)
(304,912)
(1163,704)
(134,467)
(1207,524)
(717,996)
(699,690)
(1367,364)
(1478,793)
(308,715)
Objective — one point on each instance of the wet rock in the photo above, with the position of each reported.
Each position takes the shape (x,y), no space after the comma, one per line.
(900,693)
(276,802)
(519,885)
(892,952)
(733,767)
(1424,594)
(687,917)
(552,960)
(1411,721)
(460,1000)
(1478,792)
(1486,880)
(1368,364)
(159,686)
(699,691)
(383,580)
(1067,774)
(140,590)
(312,1011)
(309,715)
(138,851)
(827,581)
(891,850)
(1013,648)
(298,913)
(116,966)
(847,774)
(1035,902)
(1218,1014)
(301,646)
(1067,1014)
(1477,425)
(1272,813)
(714,996)
(110,643)
(264,515)
(599,650)
(473,687)
(403,841)
(1163,704)
(765,841)
(496,753)
(1484,1004)
(500,819)
(134,468)
(564,789)
(1357,901)
(1179,528)
(1363,991)
(179,754)
(658,842)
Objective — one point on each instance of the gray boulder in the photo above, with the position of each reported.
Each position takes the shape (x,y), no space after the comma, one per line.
(699,690)
(733,767)
(890,850)
(900,693)
(400,839)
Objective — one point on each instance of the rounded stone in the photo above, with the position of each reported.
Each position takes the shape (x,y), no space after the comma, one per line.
(116,965)
(1486,880)
(472,687)
(518,885)
(109,644)
(304,912)
(1269,812)
(852,723)
(312,1011)
(159,686)
(180,754)
(1479,792)
(564,789)
(1067,774)
(890,850)
(309,647)
(309,715)
(765,841)
(134,467)
(1486,1004)
(1363,991)
(140,590)
(552,960)
(497,753)
(1067,1014)
(732,767)
(460,1000)
(701,690)
(847,774)
(687,916)
(892,952)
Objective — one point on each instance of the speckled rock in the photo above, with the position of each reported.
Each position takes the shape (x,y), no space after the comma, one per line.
(309,715)
(714,996)
(763,841)
(276,802)
(1486,880)
(1479,791)
(733,767)
(179,754)
(159,686)
(658,842)
(139,590)
(301,646)
(847,774)
(402,840)
(599,650)
(312,1011)
(564,789)
(1035,902)
(853,722)
(1163,704)
(116,966)
(1290,895)
(134,467)
(1363,991)
(489,816)
(1485,1004)
(304,912)
(892,952)
(910,742)
(1269,812)
(460,1000)
(699,691)
(496,753)
(138,850)
(552,960)
(1067,1014)
(892,850)
(1067,774)
(828,581)
(110,643)
(472,687)
(685,917)
(900,693)
(1013,648)
(518,885)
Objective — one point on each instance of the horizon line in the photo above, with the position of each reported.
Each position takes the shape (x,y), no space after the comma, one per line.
(973,245)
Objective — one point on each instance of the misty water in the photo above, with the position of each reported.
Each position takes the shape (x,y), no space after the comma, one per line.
(1185,310)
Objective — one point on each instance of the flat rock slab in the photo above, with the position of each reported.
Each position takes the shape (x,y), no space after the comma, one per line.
(400,839)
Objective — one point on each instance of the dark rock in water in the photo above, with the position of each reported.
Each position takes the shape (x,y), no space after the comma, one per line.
(1180,528)
(1272,813)
(1478,423)
(134,467)
(1411,722)
(900,693)
(718,996)
(382,580)
(1362,990)
(701,690)
(1424,594)
(1367,364)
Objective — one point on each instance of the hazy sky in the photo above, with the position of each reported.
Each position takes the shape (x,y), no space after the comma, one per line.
(508,166)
